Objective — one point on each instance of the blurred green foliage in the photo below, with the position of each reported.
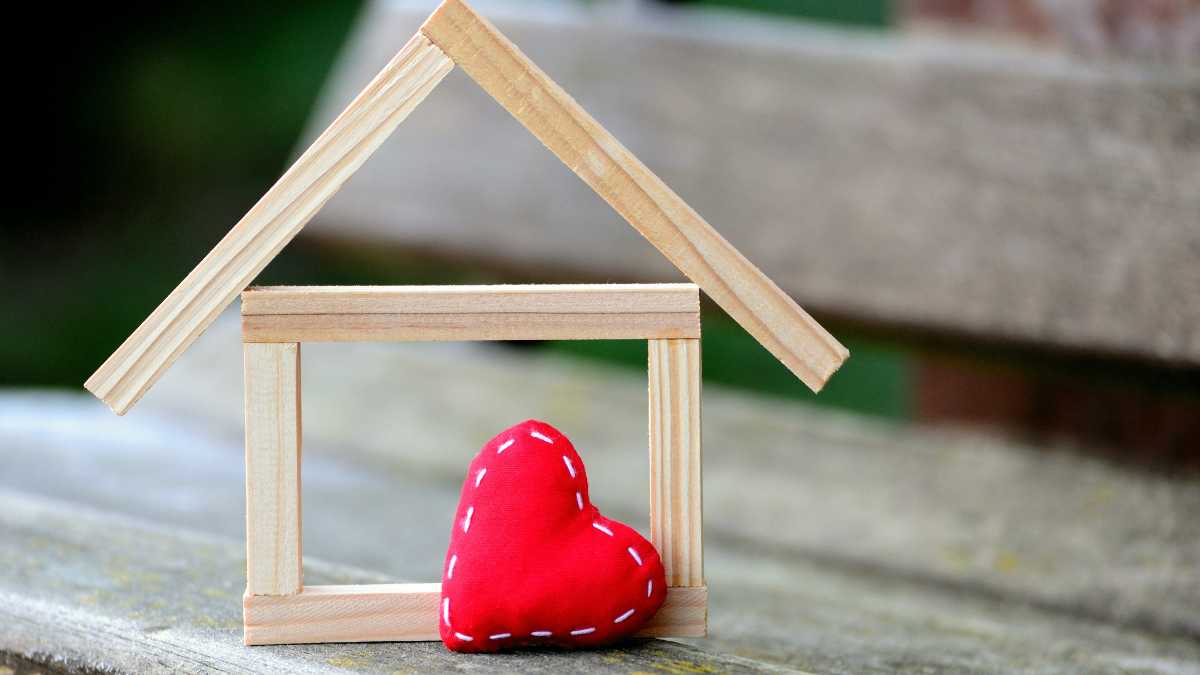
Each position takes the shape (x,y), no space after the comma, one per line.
(866,13)
(168,124)
(876,380)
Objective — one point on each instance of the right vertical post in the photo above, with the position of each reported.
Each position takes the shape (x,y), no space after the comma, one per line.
(675,497)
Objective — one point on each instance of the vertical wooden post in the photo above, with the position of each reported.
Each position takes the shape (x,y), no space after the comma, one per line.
(273,435)
(675,499)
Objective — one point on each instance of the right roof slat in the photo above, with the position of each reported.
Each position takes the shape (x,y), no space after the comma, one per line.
(652,208)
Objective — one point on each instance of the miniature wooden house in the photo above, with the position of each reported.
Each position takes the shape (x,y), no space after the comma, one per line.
(278,607)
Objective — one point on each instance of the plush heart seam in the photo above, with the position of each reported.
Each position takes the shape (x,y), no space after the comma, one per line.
(636,553)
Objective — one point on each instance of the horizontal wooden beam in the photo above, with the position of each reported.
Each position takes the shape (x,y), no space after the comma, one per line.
(409,613)
(465,327)
(432,313)
(499,299)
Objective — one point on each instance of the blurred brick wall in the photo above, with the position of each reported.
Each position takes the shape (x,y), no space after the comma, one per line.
(1138,422)
(1134,421)
(1154,30)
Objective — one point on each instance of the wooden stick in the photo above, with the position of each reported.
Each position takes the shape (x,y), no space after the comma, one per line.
(146,354)
(675,482)
(364,613)
(409,613)
(273,439)
(668,223)
(499,299)
(683,614)
(440,327)
(397,313)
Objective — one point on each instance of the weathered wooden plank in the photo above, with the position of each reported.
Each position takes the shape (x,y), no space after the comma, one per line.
(86,591)
(905,180)
(408,613)
(950,551)
(259,236)
(635,192)
(676,507)
(273,440)
(148,596)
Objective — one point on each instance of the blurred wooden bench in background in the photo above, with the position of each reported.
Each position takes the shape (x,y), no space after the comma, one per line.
(959,187)
(983,198)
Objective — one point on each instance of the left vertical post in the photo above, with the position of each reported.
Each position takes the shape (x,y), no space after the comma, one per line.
(273,438)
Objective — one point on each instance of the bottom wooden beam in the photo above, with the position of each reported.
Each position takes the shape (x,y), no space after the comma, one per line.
(683,614)
(409,613)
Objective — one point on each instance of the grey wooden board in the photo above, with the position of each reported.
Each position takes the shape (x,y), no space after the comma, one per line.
(910,181)
(834,544)
(124,594)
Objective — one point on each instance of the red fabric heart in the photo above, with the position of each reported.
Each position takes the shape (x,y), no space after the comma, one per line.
(532,561)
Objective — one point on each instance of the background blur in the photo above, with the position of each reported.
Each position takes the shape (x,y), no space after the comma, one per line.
(164,123)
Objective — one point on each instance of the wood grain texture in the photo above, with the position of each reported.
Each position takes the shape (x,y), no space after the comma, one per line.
(440,327)
(146,354)
(273,442)
(676,506)
(499,299)
(420,313)
(408,613)
(875,543)
(683,614)
(344,613)
(639,196)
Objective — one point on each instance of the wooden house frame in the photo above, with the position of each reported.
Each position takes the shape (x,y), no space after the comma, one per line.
(278,608)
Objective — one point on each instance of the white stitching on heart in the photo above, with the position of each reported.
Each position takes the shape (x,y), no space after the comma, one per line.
(579,502)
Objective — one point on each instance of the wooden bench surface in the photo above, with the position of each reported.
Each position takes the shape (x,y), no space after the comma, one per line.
(833,543)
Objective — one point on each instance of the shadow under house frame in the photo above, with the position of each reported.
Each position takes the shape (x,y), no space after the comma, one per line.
(278,608)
